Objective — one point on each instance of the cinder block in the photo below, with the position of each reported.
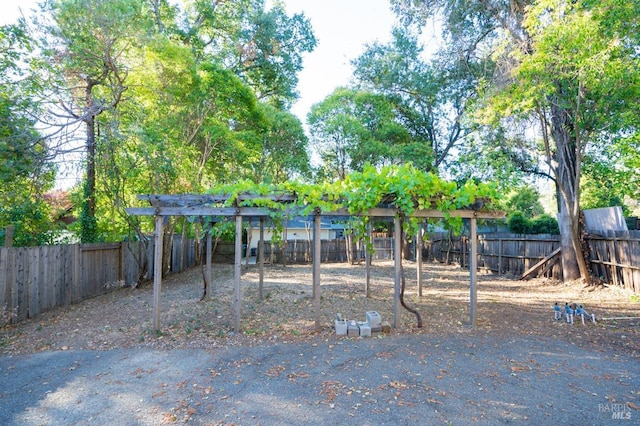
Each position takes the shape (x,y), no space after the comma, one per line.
(373,318)
(365,329)
(352,329)
(341,327)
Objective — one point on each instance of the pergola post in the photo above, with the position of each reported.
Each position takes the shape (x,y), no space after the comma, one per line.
(473,273)
(208,261)
(157,270)
(261,261)
(397,256)
(317,247)
(236,274)
(367,262)
(419,258)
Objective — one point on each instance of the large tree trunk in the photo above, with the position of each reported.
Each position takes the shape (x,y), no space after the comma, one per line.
(567,173)
(88,228)
(570,269)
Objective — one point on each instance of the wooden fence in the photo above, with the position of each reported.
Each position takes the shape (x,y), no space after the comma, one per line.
(36,279)
(299,251)
(614,258)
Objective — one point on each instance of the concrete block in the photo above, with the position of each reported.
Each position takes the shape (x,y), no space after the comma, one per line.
(341,327)
(352,329)
(365,329)
(373,318)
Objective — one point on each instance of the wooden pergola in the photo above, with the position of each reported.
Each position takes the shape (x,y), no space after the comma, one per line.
(209,206)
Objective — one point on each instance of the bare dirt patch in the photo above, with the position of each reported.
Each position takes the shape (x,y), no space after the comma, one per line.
(123,318)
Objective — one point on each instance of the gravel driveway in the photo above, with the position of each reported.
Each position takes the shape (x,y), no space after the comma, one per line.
(472,377)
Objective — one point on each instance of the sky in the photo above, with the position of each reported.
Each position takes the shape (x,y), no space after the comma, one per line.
(342,28)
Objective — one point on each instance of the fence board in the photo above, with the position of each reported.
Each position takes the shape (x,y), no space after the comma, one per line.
(33,284)
(4,294)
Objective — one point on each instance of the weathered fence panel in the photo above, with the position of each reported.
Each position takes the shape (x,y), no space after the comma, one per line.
(36,279)
(224,252)
(382,248)
(299,251)
(614,258)
(101,268)
(183,253)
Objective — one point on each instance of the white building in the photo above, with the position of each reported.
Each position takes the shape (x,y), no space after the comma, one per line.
(299,229)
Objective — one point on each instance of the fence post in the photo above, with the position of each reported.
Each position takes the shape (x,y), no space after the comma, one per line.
(500,240)
(5,288)
(8,236)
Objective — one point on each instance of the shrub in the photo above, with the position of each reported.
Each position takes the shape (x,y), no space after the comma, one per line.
(542,224)
(518,223)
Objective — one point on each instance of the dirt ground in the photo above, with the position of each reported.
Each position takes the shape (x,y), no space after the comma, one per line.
(100,362)
(506,307)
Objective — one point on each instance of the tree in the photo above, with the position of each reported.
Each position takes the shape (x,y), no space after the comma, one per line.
(430,96)
(569,65)
(271,54)
(284,147)
(527,201)
(334,131)
(164,96)
(263,47)
(604,184)
(352,128)
(629,147)
(25,172)
(87,42)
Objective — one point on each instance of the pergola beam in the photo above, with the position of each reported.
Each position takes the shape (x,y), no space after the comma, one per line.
(257,212)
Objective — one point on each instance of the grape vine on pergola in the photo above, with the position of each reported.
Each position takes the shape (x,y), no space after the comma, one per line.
(263,208)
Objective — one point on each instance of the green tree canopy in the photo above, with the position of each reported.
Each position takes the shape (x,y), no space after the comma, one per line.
(567,70)
(25,170)
(170,96)
(526,200)
(429,96)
